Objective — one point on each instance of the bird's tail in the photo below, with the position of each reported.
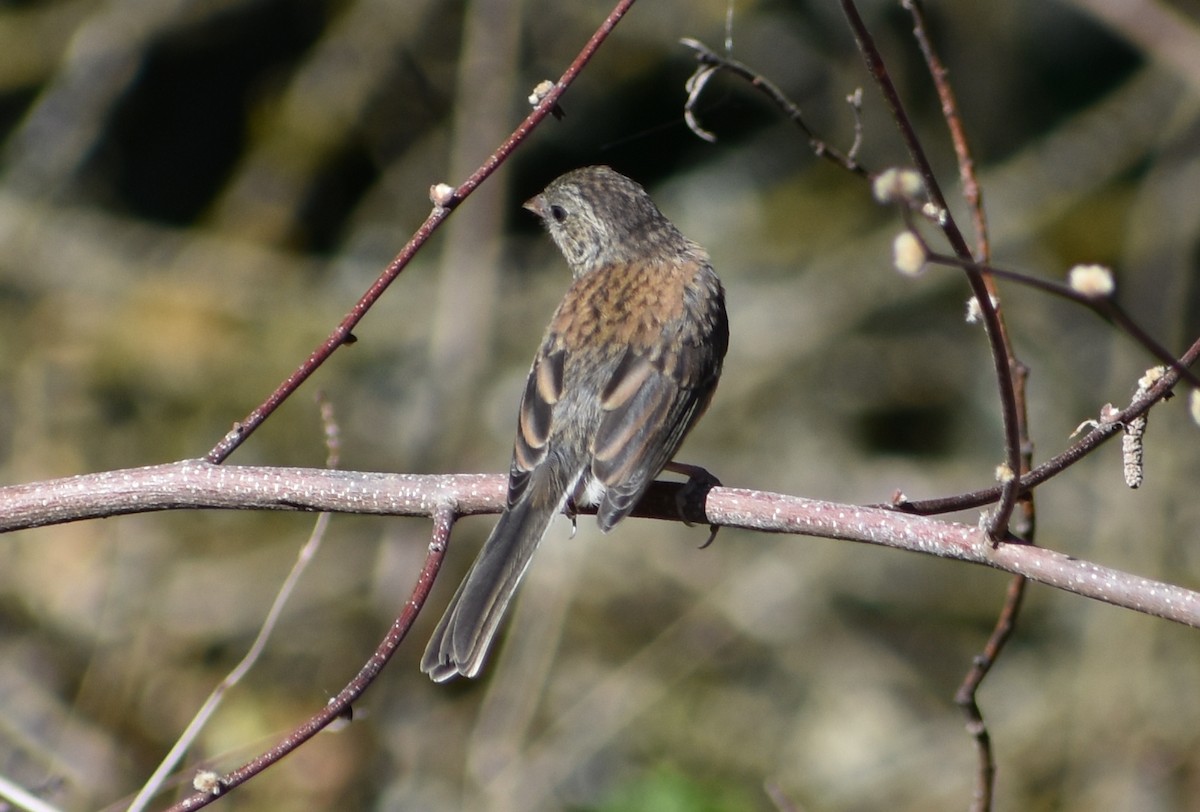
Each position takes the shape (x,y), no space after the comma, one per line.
(462,638)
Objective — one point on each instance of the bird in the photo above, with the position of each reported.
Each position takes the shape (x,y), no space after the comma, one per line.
(626,367)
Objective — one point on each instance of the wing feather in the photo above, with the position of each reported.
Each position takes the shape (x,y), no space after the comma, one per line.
(543,388)
(649,406)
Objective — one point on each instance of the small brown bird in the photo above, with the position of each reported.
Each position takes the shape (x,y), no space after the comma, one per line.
(627,366)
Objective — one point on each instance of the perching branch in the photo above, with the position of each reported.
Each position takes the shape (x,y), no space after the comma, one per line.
(197,484)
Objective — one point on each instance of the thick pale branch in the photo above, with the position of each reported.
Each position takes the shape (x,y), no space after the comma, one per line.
(192,484)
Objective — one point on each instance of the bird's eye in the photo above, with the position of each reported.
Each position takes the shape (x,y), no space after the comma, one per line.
(558,213)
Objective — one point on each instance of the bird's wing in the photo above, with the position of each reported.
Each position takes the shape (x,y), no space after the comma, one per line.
(648,407)
(543,389)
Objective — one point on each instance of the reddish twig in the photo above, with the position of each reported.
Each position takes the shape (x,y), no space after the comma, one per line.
(1104,306)
(341,705)
(967,693)
(1102,431)
(998,521)
(1006,621)
(307,552)
(971,190)
(444,204)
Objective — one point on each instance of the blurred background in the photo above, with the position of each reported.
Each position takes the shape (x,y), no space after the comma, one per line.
(192,194)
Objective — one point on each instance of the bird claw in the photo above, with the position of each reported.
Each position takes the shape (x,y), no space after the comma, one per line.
(700,482)
(571,511)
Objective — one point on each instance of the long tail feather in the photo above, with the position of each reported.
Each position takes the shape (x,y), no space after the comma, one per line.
(461,641)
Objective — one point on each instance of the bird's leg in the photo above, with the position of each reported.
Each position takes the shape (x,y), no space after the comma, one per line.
(700,482)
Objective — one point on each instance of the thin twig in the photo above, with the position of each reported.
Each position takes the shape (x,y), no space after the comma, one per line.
(997,522)
(1102,431)
(341,705)
(16,796)
(304,557)
(1104,306)
(967,694)
(710,63)
(445,205)
(169,763)
(971,190)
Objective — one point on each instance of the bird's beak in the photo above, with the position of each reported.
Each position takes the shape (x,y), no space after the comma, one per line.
(536,205)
